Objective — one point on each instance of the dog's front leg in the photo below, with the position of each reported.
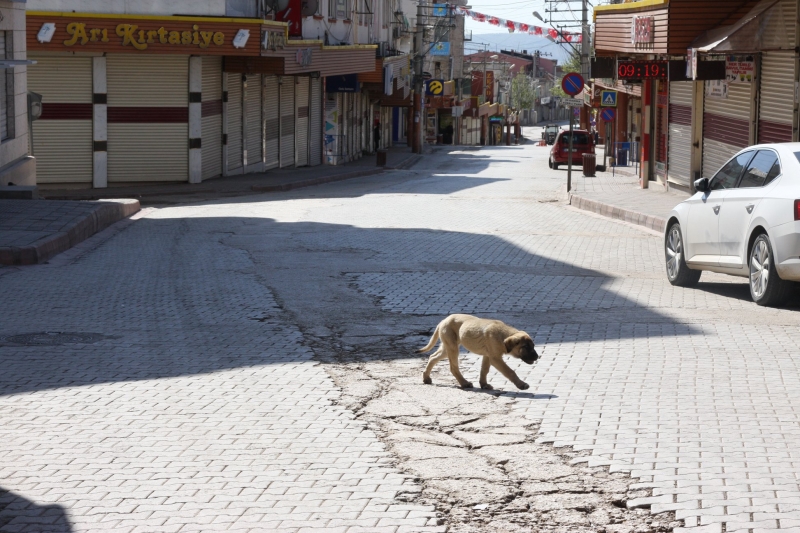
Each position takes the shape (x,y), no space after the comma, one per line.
(484,372)
(506,370)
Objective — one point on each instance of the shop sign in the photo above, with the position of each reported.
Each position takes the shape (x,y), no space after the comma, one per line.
(434,88)
(490,86)
(545,100)
(642,30)
(140,39)
(388,79)
(440,49)
(347,83)
(691,63)
(439,10)
(303,57)
(717,89)
(273,40)
(739,69)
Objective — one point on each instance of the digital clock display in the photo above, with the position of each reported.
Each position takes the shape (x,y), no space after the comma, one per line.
(642,70)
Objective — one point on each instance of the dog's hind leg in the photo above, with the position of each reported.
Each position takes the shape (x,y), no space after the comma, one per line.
(484,372)
(435,357)
(453,356)
(506,370)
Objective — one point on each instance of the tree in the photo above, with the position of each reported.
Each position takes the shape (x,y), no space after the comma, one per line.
(522,94)
(573,64)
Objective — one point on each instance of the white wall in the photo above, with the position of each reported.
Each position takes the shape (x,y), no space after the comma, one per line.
(351,32)
(133,7)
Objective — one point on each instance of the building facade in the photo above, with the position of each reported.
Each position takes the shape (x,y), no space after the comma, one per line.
(724,79)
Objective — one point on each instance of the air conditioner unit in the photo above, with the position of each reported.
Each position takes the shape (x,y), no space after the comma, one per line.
(383,49)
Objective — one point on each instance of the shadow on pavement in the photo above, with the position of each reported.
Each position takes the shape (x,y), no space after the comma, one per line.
(20,515)
(184,296)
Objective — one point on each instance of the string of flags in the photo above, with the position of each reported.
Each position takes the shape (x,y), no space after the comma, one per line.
(520,27)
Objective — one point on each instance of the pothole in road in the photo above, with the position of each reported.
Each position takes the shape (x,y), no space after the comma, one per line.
(54,338)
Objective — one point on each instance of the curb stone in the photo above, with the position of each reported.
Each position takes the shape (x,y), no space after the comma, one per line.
(105,215)
(652,222)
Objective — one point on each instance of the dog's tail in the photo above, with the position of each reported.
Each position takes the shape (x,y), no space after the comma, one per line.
(433,341)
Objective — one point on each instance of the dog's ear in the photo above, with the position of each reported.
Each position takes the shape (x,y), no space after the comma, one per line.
(511,342)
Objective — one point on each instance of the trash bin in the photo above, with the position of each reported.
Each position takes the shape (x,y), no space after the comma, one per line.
(589,165)
(622,157)
(381,158)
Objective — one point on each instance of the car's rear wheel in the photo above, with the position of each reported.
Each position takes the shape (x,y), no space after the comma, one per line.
(766,287)
(678,273)
(550,162)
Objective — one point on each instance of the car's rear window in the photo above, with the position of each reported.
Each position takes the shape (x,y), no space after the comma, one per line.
(579,138)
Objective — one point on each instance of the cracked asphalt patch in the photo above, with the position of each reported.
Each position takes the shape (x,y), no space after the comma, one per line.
(476,461)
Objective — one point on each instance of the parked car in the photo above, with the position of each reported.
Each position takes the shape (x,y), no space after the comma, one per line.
(550,132)
(744,221)
(582,143)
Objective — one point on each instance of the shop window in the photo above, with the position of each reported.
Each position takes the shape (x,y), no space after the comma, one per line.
(241,8)
(6,89)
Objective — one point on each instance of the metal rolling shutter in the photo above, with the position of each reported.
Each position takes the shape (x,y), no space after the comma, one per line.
(148,129)
(726,126)
(287,121)
(301,104)
(315,128)
(63,146)
(212,117)
(777,97)
(681,96)
(253,123)
(272,130)
(235,155)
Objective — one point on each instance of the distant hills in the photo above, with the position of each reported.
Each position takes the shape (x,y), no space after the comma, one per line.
(518,42)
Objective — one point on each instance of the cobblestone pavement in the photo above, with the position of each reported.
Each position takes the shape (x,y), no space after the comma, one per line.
(248,364)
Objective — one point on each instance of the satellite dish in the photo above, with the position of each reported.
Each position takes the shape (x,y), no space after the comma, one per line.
(309,7)
(277,5)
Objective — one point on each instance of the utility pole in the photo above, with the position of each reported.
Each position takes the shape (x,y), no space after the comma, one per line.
(585,40)
(419,60)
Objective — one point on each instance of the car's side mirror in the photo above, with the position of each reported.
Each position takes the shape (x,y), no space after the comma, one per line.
(701,185)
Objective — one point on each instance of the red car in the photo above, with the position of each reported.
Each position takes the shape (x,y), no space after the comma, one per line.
(582,143)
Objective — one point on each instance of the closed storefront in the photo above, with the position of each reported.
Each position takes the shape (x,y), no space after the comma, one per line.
(315,123)
(212,117)
(777,97)
(726,123)
(287,121)
(62,137)
(253,123)
(681,96)
(272,128)
(301,114)
(235,124)
(148,116)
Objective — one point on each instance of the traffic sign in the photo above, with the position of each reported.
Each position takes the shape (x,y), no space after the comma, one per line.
(435,87)
(572,83)
(608,99)
(608,114)
(572,102)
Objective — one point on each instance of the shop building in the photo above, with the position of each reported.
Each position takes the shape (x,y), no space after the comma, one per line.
(686,56)
(17,166)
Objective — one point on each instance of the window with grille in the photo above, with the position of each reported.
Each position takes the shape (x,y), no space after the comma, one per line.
(338,9)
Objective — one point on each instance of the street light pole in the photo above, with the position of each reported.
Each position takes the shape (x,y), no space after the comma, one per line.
(419,60)
(585,40)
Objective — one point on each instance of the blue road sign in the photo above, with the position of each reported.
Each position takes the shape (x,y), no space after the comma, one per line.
(608,114)
(608,99)
(572,83)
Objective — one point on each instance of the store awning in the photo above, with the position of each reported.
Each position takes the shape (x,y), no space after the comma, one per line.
(303,57)
(766,27)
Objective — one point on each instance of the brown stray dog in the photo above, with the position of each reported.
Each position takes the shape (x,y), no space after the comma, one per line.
(489,338)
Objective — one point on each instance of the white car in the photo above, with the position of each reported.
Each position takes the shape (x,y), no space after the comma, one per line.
(744,221)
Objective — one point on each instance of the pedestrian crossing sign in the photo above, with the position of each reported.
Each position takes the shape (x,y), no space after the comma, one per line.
(608,99)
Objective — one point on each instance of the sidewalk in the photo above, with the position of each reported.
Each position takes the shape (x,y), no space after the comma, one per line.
(271,181)
(33,231)
(619,196)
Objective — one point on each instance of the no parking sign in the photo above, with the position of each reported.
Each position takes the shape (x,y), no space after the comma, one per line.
(608,114)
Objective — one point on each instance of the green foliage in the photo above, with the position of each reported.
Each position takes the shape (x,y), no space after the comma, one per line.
(522,94)
(573,64)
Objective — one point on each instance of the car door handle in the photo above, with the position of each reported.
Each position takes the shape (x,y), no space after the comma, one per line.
(716,210)
(749,208)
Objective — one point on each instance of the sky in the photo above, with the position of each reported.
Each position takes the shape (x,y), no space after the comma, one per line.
(518,11)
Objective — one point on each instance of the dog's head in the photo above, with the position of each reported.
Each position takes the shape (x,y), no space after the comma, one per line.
(520,345)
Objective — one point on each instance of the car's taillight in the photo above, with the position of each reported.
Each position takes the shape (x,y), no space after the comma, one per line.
(797,209)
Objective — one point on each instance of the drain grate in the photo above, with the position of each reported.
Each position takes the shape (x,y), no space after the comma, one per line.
(54,338)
